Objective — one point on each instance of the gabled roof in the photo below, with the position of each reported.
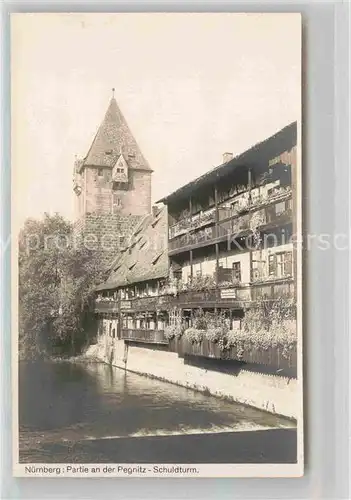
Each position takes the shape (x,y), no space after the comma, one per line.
(146,257)
(112,139)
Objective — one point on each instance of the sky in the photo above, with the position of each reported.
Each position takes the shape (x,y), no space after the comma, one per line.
(191,87)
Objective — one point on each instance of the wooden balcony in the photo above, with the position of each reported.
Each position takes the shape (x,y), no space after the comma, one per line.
(110,307)
(188,224)
(272,356)
(231,224)
(144,336)
(285,288)
(147,303)
(235,297)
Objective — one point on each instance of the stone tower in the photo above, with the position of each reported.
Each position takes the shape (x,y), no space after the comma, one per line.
(112,185)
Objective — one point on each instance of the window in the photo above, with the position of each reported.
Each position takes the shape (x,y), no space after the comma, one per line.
(255,274)
(284,264)
(121,185)
(100,172)
(272,265)
(116,203)
(236,271)
(235,206)
(279,208)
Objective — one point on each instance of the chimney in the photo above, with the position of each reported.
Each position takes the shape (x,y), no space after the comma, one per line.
(155,210)
(227,157)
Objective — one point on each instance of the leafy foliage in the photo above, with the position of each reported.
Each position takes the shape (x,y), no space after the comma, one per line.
(194,335)
(265,325)
(56,280)
(173,331)
(268,324)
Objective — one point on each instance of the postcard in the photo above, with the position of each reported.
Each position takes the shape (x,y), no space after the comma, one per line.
(156,245)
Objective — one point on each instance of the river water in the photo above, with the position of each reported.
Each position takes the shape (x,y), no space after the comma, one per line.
(81,412)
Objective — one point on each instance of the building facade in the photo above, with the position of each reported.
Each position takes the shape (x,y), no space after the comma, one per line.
(229,241)
(112,185)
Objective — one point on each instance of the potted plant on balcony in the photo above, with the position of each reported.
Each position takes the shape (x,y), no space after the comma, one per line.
(266,326)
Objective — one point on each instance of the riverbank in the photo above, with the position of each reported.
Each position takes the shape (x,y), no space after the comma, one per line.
(246,384)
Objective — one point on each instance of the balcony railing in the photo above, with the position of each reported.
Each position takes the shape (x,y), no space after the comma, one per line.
(144,336)
(272,356)
(106,306)
(224,212)
(148,303)
(234,296)
(282,217)
(232,227)
(273,291)
(201,236)
(279,195)
(195,222)
(225,295)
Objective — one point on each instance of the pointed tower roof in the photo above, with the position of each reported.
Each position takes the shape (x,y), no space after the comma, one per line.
(112,139)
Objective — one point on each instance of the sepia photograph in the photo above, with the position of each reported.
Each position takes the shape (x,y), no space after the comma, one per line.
(156,232)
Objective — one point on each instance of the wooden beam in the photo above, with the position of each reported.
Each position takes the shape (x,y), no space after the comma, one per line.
(119,314)
(191,264)
(216,209)
(217,265)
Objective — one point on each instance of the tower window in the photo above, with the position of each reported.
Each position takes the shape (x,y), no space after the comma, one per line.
(116,203)
(100,172)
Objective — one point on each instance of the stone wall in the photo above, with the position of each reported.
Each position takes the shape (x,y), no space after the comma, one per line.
(247,385)
(105,233)
(138,199)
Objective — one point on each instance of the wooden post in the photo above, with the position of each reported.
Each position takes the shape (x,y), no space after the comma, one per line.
(216,233)
(216,210)
(217,264)
(251,238)
(119,323)
(295,227)
(191,264)
(249,181)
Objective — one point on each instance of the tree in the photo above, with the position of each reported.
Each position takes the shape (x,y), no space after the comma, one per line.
(56,281)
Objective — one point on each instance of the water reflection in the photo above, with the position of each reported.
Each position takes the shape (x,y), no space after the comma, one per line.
(91,412)
(95,400)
